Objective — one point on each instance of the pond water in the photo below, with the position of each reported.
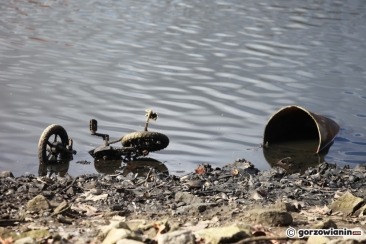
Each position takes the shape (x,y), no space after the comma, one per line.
(214,71)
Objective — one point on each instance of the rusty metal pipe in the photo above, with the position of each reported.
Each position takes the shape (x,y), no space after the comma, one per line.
(294,123)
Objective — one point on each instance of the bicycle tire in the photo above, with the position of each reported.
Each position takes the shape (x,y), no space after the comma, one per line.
(45,146)
(146,140)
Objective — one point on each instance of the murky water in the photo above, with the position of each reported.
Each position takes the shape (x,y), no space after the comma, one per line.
(215,71)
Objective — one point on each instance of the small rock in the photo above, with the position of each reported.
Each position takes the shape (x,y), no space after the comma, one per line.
(47,193)
(38,203)
(64,220)
(325,225)
(134,224)
(195,184)
(94,198)
(194,208)
(25,240)
(177,237)
(361,212)
(4,174)
(22,188)
(36,234)
(226,234)
(62,207)
(70,191)
(33,190)
(90,185)
(272,217)
(105,229)
(255,195)
(116,234)
(96,191)
(289,207)
(347,204)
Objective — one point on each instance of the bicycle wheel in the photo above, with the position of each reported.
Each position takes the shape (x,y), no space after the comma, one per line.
(52,144)
(146,140)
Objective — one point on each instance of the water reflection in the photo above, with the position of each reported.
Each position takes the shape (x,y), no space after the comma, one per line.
(108,167)
(294,156)
(60,168)
(140,167)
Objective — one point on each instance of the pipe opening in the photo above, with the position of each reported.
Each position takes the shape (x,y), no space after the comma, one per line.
(289,125)
(296,139)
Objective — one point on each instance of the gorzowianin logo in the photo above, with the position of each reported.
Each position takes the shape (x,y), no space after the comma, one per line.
(291,232)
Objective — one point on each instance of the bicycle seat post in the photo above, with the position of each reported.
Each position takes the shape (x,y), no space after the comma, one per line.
(150,115)
(147,119)
(106,139)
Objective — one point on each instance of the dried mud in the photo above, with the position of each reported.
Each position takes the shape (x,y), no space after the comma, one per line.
(152,206)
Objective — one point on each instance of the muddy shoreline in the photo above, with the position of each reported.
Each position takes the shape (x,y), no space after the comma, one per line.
(233,204)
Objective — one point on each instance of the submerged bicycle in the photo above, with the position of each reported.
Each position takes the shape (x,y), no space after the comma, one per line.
(135,144)
(55,145)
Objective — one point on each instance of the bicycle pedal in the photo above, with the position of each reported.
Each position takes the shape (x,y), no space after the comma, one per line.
(93,126)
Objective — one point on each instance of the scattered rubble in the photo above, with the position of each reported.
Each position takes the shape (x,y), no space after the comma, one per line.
(233,204)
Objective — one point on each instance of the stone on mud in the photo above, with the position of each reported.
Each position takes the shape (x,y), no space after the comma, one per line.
(177,237)
(327,224)
(287,206)
(34,234)
(361,212)
(194,208)
(272,217)
(225,234)
(37,204)
(114,224)
(347,204)
(25,240)
(187,198)
(116,234)
(63,206)
(4,174)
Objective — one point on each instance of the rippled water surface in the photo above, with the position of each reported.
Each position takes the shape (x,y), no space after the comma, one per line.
(215,71)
